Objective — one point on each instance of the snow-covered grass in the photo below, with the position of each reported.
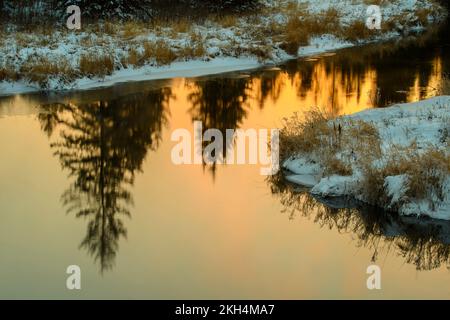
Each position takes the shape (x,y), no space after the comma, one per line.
(105,52)
(397,158)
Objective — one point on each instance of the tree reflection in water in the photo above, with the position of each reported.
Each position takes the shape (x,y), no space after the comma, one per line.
(103,144)
(219,104)
(424,243)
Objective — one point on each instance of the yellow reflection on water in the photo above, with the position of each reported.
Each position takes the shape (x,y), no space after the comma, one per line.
(339,93)
(427,86)
(324,85)
(227,234)
(435,79)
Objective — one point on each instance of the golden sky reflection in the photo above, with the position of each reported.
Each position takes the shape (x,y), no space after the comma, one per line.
(193,234)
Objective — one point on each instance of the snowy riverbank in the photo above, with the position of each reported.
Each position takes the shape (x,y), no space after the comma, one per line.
(175,70)
(105,54)
(397,158)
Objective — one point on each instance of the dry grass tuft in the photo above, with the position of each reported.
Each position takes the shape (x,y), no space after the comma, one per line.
(227,21)
(372,185)
(305,134)
(160,51)
(195,48)
(101,66)
(425,172)
(41,70)
(422,16)
(132,29)
(363,139)
(134,58)
(8,73)
(182,25)
(357,30)
(334,165)
(293,35)
(301,26)
(109,28)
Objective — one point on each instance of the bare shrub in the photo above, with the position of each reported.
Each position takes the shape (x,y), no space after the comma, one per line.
(334,165)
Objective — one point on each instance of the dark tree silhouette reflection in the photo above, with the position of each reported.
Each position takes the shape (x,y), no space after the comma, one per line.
(424,243)
(269,87)
(103,144)
(219,104)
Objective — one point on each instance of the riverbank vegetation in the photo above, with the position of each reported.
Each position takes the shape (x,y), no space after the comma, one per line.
(397,158)
(50,56)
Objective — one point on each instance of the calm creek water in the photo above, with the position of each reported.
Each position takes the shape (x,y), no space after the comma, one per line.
(86,178)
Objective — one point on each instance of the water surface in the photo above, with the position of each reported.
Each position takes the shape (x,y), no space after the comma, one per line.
(86,178)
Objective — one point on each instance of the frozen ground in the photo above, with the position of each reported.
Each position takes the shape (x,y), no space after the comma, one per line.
(405,133)
(225,46)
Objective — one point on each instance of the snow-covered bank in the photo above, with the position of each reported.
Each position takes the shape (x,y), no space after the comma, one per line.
(175,70)
(136,51)
(397,158)
(179,69)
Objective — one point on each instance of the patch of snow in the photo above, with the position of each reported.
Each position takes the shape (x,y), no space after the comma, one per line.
(323,44)
(396,188)
(302,179)
(302,166)
(334,186)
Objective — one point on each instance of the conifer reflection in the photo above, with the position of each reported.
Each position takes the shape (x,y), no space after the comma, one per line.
(269,85)
(219,104)
(102,145)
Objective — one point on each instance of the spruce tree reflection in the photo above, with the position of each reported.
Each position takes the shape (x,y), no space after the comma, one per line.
(271,85)
(49,117)
(103,145)
(219,104)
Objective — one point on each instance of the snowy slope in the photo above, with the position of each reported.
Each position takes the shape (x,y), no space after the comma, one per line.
(412,128)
